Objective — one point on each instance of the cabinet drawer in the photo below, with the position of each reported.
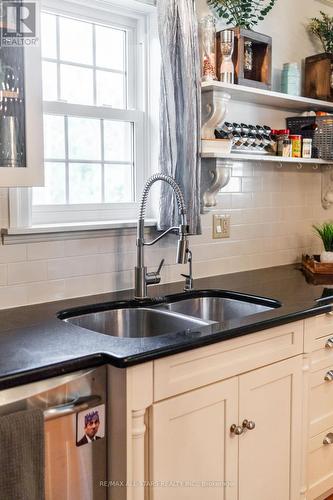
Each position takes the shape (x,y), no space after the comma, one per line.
(320,466)
(321,400)
(186,371)
(322,354)
(316,328)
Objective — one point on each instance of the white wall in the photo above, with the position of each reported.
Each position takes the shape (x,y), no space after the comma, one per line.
(272,211)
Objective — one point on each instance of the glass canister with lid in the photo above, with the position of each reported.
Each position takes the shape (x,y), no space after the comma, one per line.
(207,37)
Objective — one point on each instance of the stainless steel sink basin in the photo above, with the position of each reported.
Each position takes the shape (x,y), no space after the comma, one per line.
(137,322)
(172,314)
(217,309)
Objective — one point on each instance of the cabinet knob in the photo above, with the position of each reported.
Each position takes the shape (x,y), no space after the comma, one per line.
(329,343)
(328,439)
(236,429)
(329,376)
(249,424)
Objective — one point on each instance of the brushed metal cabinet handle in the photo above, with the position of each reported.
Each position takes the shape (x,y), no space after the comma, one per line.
(329,343)
(249,425)
(236,429)
(328,439)
(329,376)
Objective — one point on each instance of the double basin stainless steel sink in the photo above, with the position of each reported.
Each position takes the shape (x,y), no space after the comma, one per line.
(172,314)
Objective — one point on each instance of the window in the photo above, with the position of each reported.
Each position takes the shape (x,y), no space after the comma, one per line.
(94,116)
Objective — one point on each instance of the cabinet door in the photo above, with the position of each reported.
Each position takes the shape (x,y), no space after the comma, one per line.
(21,111)
(192,452)
(270,455)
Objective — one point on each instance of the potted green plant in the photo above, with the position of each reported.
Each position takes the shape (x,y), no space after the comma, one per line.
(322,28)
(318,68)
(252,57)
(325,233)
(242,13)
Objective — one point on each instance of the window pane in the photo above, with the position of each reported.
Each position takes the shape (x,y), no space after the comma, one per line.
(49,36)
(76,43)
(49,81)
(54,137)
(118,184)
(110,48)
(85,183)
(84,138)
(110,89)
(76,84)
(54,192)
(118,141)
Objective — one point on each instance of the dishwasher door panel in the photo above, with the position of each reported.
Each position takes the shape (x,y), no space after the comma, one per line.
(73,473)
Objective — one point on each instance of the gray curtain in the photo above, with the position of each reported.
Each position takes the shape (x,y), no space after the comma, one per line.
(180,109)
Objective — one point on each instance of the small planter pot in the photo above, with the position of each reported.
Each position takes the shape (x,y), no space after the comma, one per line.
(326,257)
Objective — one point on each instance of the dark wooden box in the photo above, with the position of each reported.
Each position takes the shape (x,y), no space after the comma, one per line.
(261,75)
(317,82)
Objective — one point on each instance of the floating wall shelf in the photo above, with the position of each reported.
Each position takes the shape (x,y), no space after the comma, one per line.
(268,98)
(216,167)
(266,158)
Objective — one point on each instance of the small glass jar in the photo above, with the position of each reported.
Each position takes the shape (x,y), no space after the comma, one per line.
(296,142)
(248,58)
(207,34)
(307,148)
(282,136)
(286,148)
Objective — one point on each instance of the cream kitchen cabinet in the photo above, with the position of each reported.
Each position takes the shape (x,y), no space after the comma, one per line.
(318,341)
(236,439)
(192,452)
(250,418)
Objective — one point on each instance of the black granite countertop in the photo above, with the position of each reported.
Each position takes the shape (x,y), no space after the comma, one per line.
(35,344)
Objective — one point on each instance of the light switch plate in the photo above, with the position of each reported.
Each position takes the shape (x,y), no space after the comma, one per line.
(221,226)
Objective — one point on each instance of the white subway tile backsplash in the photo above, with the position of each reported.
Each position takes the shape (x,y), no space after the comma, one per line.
(272,211)
(45,250)
(13,253)
(251,184)
(46,291)
(233,186)
(27,272)
(13,296)
(241,200)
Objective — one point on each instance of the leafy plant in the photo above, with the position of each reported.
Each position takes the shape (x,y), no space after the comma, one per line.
(325,232)
(242,13)
(323,29)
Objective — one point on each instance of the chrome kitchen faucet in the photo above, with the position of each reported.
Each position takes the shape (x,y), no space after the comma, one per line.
(142,278)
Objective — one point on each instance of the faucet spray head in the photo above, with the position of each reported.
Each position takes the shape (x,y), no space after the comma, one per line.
(182,254)
(183,245)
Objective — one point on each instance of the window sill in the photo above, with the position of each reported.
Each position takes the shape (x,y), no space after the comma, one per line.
(70,231)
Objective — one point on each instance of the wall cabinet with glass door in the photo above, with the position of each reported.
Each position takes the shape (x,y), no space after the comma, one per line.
(21,123)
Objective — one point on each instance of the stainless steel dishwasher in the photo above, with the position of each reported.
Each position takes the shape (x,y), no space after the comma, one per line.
(75,414)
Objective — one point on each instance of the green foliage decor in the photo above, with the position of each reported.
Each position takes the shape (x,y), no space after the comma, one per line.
(325,232)
(323,29)
(242,13)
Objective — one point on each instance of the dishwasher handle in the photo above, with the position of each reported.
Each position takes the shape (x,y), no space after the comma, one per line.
(72,407)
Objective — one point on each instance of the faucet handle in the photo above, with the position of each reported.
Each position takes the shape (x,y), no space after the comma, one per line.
(154,277)
(160,266)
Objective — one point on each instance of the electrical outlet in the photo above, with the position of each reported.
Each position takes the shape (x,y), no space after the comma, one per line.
(221,226)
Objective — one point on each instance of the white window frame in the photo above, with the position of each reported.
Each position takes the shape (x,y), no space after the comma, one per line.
(22,213)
